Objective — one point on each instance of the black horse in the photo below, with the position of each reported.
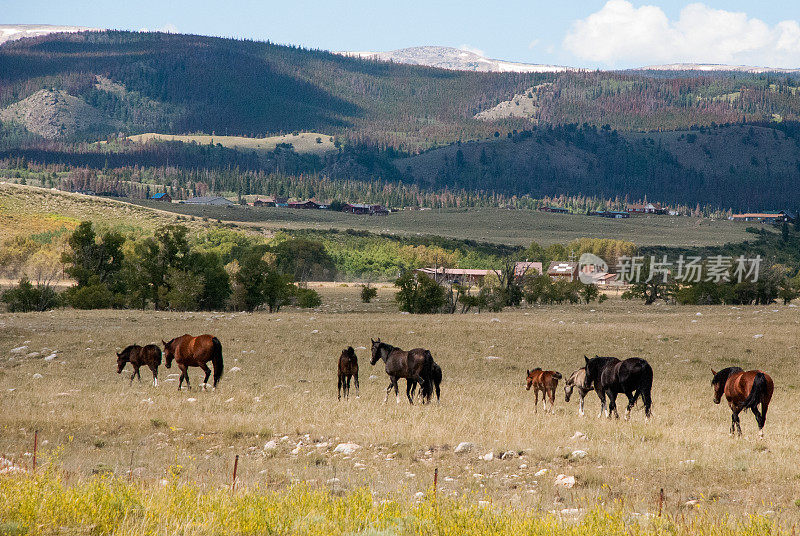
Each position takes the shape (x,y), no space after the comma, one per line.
(610,376)
(137,356)
(434,383)
(414,365)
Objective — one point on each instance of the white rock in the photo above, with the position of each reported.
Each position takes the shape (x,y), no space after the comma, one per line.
(489,456)
(540,472)
(346,448)
(19,349)
(33,355)
(333,480)
(698,314)
(495,320)
(50,357)
(191,399)
(571,511)
(492,357)
(564,481)
(578,436)
(758,336)
(229,400)
(578,454)
(314,331)
(37,376)
(523,466)
(508,455)
(235,369)
(270,445)
(419,495)
(296,450)
(464,446)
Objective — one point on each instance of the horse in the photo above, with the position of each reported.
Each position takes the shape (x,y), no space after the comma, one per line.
(348,368)
(137,356)
(743,390)
(415,364)
(545,381)
(434,383)
(610,376)
(577,380)
(188,351)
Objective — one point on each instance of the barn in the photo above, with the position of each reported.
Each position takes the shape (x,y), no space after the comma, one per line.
(563,271)
(208,200)
(162,197)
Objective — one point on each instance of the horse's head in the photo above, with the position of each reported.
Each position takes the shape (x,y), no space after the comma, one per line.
(529,380)
(376,351)
(593,368)
(169,353)
(568,388)
(122,358)
(718,383)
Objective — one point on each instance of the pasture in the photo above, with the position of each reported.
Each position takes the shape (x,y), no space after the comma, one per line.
(276,405)
(495,225)
(302,142)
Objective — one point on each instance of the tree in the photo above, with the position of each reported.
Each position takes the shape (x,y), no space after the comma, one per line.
(25,297)
(89,257)
(303,260)
(257,283)
(419,294)
(368,293)
(651,289)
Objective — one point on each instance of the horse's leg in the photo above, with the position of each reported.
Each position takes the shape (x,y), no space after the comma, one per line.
(184,376)
(358,390)
(553,400)
(395,383)
(612,404)
(738,423)
(339,387)
(347,386)
(632,397)
(602,395)
(207,370)
(535,400)
(154,370)
(581,395)
(388,389)
(133,374)
(764,407)
(733,423)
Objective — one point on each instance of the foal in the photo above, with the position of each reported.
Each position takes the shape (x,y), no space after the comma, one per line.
(348,368)
(545,381)
(743,391)
(137,356)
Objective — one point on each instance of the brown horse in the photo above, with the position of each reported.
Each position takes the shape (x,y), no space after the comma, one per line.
(414,364)
(744,390)
(348,368)
(188,351)
(435,383)
(137,356)
(545,381)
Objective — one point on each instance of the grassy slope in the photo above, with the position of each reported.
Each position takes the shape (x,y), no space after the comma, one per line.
(286,386)
(517,227)
(303,142)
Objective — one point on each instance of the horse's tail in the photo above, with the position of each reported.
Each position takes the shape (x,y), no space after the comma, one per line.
(646,387)
(427,375)
(557,375)
(757,391)
(216,359)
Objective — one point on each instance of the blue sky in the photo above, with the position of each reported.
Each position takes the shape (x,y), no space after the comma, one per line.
(584,33)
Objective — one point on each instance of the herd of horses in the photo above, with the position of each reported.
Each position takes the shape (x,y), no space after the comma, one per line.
(607,376)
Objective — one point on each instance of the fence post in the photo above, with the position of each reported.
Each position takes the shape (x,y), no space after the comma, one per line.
(235,468)
(660,501)
(35,447)
(435,481)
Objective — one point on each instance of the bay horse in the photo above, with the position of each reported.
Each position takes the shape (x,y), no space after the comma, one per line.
(434,383)
(348,368)
(743,391)
(610,376)
(137,356)
(545,381)
(577,380)
(414,365)
(188,351)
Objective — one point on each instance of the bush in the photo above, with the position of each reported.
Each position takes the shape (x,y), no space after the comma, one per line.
(93,296)
(25,298)
(419,294)
(307,298)
(368,293)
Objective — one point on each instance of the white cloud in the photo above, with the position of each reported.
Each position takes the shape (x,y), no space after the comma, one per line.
(474,50)
(621,34)
(533,43)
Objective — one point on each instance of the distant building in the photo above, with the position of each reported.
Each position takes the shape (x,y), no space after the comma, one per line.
(616,214)
(264,202)
(763,217)
(304,204)
(527,268)
(281,201)
(646,208)
(563,271)
(361,208)
(557,210)
(162,197)
(208,200)
(461,276)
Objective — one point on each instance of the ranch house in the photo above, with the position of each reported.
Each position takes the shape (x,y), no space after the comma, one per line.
(162,197)
(264,202)
(646,208)
(304,204)
(763,217)
(208,200)
(563,271)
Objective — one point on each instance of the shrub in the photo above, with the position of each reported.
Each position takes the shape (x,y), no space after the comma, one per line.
(307,298)
(368,293)
(25,297)
(419,294)
(93,296)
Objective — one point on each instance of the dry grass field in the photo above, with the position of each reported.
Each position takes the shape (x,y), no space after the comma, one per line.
(280,385)
(502,226)
(302,142)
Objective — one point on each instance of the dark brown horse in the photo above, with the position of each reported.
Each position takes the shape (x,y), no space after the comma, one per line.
(610,376)
(348,368)
(434,383)
(744,390)
(188,351)
(137,356)
(577,380)
(414,364)
(545,381)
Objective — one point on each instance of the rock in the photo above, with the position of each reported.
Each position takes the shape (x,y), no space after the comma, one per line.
(508,455)
(190,399)
(33,355)
(564,481)
(578,454)
(489,456)
(419,495)
(691,503)
(579,436)
(571,511)
(758,336)
(37,376)
(332,480)
(463,447)
(346,448)
(19,350)
(492,357)
(495,320)
(523,466)
(296,450)
(270,445)
(235,369)
(229,400)
(540,472)
(50,357)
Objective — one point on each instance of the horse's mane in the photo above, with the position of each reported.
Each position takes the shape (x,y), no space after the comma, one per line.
(722,375)
(129,348)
